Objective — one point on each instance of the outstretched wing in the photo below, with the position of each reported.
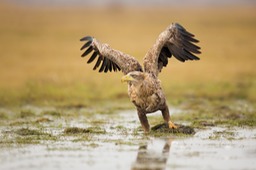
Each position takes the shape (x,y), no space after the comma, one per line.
(174,41)
(108,59)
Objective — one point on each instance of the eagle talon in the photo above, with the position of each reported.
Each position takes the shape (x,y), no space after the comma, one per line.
(172,125)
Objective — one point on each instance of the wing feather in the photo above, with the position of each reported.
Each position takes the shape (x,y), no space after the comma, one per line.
(86,45)
(174,41)
(110,67)
(87,51)
(114,67)
(107,67)
(103,64)
(94,55)
(108,58)
(191,47)
(97,63)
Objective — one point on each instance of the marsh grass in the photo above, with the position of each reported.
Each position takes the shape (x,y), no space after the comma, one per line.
(22,136)
(208,112)
(28,132)
(226,134)
(3,115)
(26,113)
(90,130)
(51,112)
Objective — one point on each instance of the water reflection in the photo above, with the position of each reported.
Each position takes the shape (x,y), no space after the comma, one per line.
(153,155)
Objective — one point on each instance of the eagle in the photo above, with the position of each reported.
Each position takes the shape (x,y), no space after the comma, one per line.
(144,87)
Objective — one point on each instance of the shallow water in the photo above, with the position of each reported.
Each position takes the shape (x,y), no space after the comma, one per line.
(211,148)
(192,153)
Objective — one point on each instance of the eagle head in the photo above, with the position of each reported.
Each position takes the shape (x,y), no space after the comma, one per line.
(134,77)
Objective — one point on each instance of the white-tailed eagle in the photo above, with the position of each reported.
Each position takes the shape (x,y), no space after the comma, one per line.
(144,88)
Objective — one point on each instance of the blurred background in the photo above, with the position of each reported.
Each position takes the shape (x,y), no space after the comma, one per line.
(40,49)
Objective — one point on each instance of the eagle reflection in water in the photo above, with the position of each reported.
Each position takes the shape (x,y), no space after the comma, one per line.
(148,158)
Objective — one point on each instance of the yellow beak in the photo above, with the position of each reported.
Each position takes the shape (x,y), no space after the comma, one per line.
(126,78)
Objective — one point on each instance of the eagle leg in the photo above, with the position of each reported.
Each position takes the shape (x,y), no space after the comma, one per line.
(144,121)
(166,116)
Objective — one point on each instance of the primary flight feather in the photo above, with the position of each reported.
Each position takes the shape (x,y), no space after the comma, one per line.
(144,88)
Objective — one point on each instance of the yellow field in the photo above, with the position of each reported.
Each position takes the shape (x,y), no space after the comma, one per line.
(40,49)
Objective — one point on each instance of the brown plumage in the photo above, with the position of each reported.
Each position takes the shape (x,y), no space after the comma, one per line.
(144,88)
